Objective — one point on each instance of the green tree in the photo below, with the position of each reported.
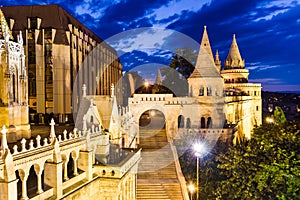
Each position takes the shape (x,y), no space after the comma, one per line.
(265,167)
(180,68)
(279,116)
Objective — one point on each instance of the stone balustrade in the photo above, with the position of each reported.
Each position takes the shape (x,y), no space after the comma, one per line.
(50,156)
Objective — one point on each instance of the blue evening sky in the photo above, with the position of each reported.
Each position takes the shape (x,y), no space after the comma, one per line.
(267,31)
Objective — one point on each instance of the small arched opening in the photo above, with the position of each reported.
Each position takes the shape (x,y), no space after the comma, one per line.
(180,121)
(188,123)
(202,122)
(209,122)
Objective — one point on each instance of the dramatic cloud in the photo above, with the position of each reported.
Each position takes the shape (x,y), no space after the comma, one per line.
(267,31)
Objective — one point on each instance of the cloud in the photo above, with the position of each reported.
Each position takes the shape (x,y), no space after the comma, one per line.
(259,67)
(175,7)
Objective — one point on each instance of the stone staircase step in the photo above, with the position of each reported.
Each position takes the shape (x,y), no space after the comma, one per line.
(161,183)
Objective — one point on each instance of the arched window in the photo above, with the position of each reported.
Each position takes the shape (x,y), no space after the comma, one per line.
(209,93)
(92,119)
(209,123)
(188,123)
(201,91)
(180,121)
(202,122)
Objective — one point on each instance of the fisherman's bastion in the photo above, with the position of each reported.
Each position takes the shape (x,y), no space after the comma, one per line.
(105,154)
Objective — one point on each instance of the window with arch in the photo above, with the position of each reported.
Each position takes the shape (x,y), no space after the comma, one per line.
(92,119)
(180,121)
(202,122)
(188,123)
(209,93)
(201,91)
(209,123)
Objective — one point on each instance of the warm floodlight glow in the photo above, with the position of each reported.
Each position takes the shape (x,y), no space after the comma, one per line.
(152,113)
(191,188)
(146,84)
(269,120)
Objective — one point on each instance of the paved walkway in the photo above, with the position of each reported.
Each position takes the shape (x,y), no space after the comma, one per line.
(157,178)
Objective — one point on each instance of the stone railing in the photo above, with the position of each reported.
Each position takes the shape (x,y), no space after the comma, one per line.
(119,169)
(179,173)
(47,153)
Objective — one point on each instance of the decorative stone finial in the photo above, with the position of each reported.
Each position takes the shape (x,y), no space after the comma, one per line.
(233,36)
(4,140)
(20,38)
(204,27)
(83,90)
(112,90)
(52,130)
(92,103)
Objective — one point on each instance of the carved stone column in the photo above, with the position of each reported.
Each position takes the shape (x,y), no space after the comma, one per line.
(75,159)
(38,173)
(66,160)
(24,177)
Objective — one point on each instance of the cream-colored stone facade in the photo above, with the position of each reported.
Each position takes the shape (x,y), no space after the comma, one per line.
(57,47)
(218,100)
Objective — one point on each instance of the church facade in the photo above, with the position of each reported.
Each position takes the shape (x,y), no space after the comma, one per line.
(13,84)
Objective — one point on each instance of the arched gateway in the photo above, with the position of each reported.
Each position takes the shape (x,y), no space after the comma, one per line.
(178,109)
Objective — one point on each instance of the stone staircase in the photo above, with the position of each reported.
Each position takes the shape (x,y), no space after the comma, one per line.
(157,178)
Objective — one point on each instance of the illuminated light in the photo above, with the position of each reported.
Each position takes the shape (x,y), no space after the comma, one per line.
(269,120)
(152,113)
(199,148)
(146,84)
(191,188)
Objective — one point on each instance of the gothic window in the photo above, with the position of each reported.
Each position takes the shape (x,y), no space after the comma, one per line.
(202,122)
(180,121)
(92,119)
(209,123)
(201,91)
(188,123)
(209,93)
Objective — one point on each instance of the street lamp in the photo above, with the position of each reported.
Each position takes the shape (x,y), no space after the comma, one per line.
(198,148)
(191,188)
(270,120)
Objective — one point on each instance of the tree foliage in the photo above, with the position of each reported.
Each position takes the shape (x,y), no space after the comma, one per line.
(265,167)
(279,117)
(180,68)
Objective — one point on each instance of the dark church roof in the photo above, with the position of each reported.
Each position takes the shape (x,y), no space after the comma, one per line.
(53,16)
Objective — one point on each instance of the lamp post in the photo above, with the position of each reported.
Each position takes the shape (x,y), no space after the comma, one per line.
(191,188)
(198,148)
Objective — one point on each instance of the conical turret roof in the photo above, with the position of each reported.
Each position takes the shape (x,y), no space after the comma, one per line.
(205,65)
(158,80)
(234,58)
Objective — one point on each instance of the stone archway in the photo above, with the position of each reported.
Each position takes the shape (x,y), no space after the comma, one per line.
(152,129)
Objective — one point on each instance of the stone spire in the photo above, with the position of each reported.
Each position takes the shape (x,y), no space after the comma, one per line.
(217,61)
(234,59)
(158,80)
(5,32)
(205,65)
